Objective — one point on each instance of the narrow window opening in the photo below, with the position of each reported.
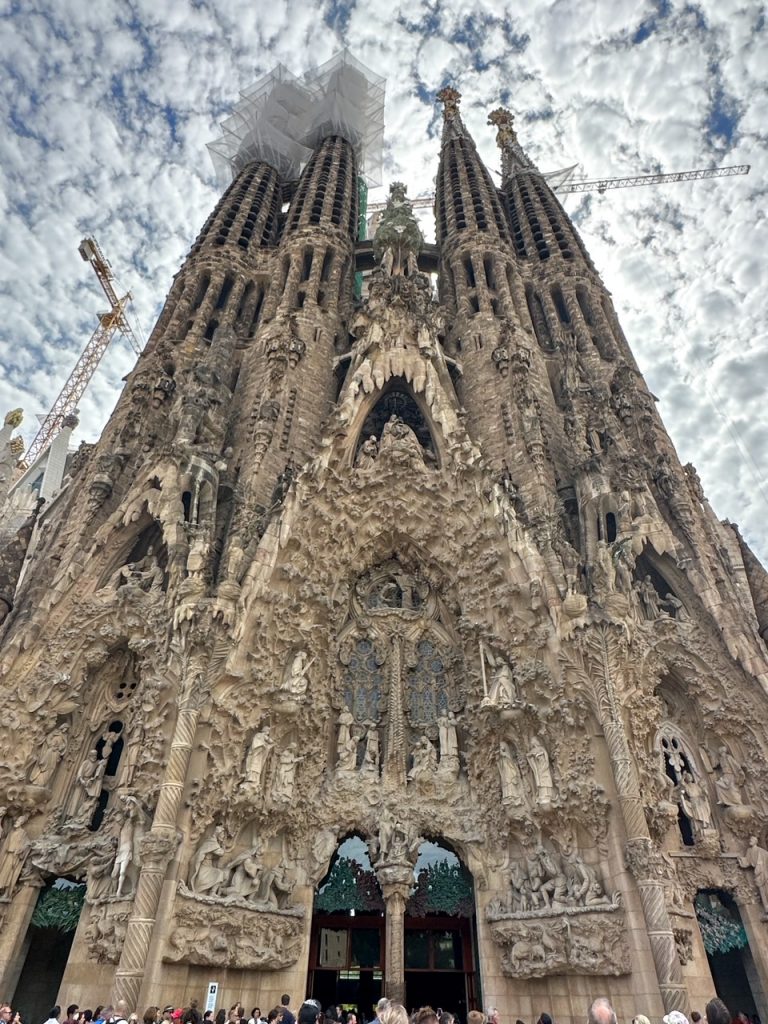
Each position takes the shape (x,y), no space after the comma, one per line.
(226,288)
(560,306)
(610,527)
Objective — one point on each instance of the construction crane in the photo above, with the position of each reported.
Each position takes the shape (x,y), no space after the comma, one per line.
(112,321)
(601,185)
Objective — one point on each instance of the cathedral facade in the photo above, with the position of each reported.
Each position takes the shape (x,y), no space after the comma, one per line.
(382,644)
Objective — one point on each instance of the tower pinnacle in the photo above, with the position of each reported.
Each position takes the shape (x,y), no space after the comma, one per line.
(513,157)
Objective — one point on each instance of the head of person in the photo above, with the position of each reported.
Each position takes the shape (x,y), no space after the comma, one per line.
(5,1012)
(381,1006)
(601,1012)
(55,1012)
(675,1017)
(97,1012)
(544,1018)
(72,1010)
(107,1012)
(426,1015)
(695,1017)
(492,1015)
(121,1009)
(208,1015)
(150,1015)
(256,1013)
(475,1017)
(392,1013)
(446,1017)
(86,1016)
(276,1013)
(286,1000)
(310,1012)
(640,1018)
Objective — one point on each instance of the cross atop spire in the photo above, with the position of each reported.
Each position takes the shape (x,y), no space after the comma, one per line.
(512,156)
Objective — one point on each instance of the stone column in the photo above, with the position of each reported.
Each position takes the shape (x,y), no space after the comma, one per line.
(753,918)
(158,846)
(396,753)
(396,882)
(14,924)
(643,859)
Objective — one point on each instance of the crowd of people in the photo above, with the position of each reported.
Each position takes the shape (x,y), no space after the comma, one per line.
(311,1012)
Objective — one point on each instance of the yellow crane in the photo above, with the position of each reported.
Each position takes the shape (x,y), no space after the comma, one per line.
(112,321)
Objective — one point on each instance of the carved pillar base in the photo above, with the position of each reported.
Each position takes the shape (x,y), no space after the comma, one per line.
(396,882)
(14,922)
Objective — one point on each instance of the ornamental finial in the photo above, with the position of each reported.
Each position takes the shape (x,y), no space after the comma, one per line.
(450,98)
(505,133)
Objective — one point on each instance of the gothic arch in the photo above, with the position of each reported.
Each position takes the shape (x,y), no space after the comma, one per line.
(398,398)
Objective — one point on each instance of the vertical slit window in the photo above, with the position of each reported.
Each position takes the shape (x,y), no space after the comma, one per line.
(560,306)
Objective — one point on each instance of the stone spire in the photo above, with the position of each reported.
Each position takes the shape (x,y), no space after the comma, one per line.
(513,157)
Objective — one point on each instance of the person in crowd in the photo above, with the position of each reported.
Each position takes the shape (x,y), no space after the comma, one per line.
(351,1018)
(98,1015)
(717,1012)
(121,1012)
(288,1015)
(5,1013)
(426,1015)
(601,1012)
(275,1015)
(640,1018)
(392,1013)
(72,1014)
(475,1017)
(675,1017)
(310,1011)
(544,1018)
(208,1017)
(255,1017)
(53,1016)
(381,1006)
(151,1014)
(741,1018)
(695,1017)
(447,1018)
(221,1016)
(86,1016)
(492,1015)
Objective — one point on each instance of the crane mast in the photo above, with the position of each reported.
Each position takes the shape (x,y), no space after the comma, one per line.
(112,321)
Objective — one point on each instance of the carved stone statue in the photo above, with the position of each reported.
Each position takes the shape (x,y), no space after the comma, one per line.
(757,858)
(347,754)
(285,776)
(400,443)
(396,844)
(512,792)
(538,759)
(372,753)
(449,743)
(276,887)
(90,777)
(205,876)
(728,784)
(245,879)
(366,457)
(127,857)
(13,853)
(345,721)
(258,755)
(502,690)
(398,238)
(649,599)
(695,803)
(296,681)
(424,761)
(47,759)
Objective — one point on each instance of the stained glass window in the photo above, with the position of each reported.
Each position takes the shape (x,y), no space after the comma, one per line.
(427,694)
(364,683)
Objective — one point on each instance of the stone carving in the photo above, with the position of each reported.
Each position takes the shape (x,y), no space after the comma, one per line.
(396,843)
(90,777)
(583,942)
(205,875)
(730,780)
(512,790)
(424,761)
(398,239)
(684,944)
(47,759)
(125,870)
(449,744)
(648,599)
(105,933)
(757,858)
(502,691)
(296,680)
(247,939)
(13,853)
(366,457)
(400,444)
(538,759)
(694,801)
(257,758)
(285,776)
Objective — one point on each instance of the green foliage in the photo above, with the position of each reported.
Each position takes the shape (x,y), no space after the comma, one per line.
(350,887)
(442,888)
(719,928)
(59,908)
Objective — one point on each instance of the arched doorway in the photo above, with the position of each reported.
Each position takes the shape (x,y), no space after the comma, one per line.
(728,952)
(440,935)
(346,955)
(47,946)
(348,939)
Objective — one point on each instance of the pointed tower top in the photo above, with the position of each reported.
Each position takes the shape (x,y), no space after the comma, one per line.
(450,98)
(513,158)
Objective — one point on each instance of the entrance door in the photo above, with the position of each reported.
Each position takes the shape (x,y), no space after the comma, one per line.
(439,964)
(346,962)
(728,952)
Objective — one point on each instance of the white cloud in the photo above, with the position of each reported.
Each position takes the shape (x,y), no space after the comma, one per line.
(108,107)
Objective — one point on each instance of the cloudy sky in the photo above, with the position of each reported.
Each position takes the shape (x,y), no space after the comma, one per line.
(108,106)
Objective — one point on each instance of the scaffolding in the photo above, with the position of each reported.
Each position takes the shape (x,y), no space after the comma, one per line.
(281,118)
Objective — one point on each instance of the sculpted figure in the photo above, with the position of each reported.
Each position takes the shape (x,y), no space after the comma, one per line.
(90,777)
(604,575)
(276,887)
(48,757)
(204,875)
(583,884)
(12,856)
(424,760)
(347,755)
(400,442)
(371,755)
(258,754)
(730,781)
(285,776)
(756,857)
(502,690)
(127,856)
(622,566)
(246,876)
(296,683)
(649,599)
(345,722)
(449,743)
(695,803)
(366,457)
(512,792)
(538,759)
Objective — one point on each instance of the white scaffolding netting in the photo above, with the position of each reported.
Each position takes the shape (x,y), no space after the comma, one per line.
(281,118)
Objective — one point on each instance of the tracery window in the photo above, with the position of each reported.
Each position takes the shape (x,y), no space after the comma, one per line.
(364,682)
(426,688)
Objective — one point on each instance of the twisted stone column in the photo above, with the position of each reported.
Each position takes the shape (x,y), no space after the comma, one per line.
(396,882)
(157,849)
(643,859)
